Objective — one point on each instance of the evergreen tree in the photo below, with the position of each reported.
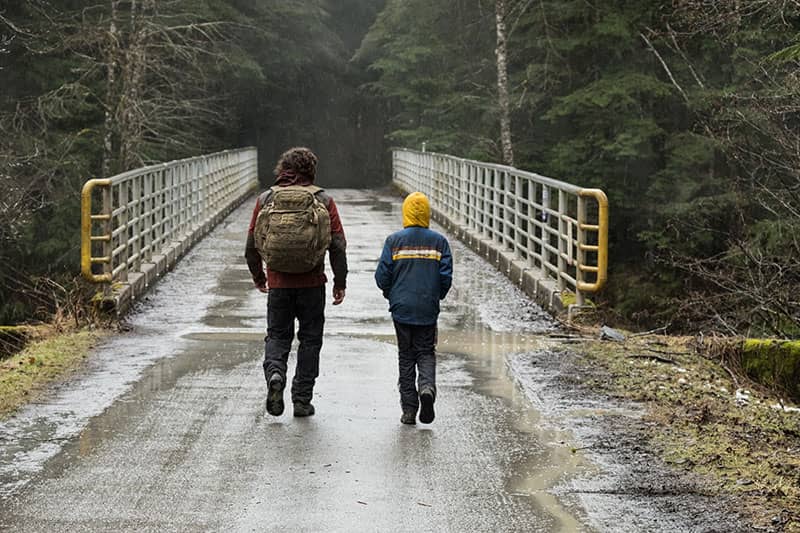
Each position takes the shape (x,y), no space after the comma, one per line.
(641,99)
(88,92)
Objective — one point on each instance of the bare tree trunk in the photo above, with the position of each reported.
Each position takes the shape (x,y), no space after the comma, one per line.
(111,101)
(502,83)
(132,126)
(151,68)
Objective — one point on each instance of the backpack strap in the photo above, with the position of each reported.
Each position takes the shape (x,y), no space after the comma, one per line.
(267,195)
(313,189)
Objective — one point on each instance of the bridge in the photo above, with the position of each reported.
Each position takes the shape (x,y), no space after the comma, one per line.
(548,236)
(165,428)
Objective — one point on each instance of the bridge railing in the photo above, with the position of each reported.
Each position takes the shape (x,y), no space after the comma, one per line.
(559,228)
(137,217)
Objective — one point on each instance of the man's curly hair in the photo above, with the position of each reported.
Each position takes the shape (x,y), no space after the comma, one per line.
(299,159)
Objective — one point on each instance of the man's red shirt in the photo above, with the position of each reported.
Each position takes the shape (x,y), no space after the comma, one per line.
(316,277)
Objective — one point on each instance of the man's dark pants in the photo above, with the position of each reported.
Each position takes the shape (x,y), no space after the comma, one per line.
(416,348)
(307,305)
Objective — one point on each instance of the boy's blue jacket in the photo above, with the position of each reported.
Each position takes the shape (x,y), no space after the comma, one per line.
(415,272)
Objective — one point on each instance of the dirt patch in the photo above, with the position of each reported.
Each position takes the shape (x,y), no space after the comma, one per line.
(676,424)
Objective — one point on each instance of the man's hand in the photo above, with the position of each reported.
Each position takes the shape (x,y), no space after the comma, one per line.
(338,296)
(261,286)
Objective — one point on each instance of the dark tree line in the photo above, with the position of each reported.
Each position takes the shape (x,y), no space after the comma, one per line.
(93,89)
(684,111)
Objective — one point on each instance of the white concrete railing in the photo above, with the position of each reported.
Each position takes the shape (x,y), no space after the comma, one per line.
(556,227)
(144,217)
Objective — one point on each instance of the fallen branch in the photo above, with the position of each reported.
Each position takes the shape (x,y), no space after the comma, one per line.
(730,373)
(651,332)
(665,352)
(654,357)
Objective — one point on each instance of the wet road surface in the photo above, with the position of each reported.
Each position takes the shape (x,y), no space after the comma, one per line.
(165,429)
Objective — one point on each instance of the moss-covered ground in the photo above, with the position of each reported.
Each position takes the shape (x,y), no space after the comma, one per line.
(746,443)
(775,363)
(24,375)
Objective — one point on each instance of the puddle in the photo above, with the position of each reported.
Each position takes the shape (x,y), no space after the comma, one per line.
(483,353)
(484,320)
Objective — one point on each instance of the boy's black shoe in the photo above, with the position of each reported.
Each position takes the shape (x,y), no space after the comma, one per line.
(409,417)
(275,395)
(303,409)
(426,399)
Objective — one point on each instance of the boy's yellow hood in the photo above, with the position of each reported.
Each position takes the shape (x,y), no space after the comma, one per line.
(416,210)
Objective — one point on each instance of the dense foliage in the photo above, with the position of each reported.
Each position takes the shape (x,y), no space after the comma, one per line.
(679,110)
(91,91)
(684,111)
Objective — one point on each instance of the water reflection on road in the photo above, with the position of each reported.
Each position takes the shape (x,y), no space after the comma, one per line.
(184,443)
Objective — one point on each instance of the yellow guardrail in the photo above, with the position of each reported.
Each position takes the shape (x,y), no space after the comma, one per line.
(551,225)
(144,211)
(87,237)
(601,248)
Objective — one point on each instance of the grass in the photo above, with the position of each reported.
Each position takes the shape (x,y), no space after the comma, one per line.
(749,448)
(24,375)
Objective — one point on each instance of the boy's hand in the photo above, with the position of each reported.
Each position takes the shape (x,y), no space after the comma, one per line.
(338,296)
(261,286)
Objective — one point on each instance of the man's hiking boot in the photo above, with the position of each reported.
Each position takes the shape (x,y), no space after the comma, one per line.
(426,399)
(303,409)
(409,417)
(275,395)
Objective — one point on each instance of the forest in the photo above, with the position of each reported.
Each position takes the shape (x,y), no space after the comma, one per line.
(685,112)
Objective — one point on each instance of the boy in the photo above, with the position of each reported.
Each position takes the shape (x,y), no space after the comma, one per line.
(415,272)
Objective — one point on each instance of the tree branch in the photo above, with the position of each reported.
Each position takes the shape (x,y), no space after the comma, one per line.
(664,65)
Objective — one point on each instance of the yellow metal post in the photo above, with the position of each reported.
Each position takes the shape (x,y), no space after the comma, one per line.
(87,219)
(601,270)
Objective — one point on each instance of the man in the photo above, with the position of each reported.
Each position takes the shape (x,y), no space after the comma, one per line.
(415,271)
(295,290)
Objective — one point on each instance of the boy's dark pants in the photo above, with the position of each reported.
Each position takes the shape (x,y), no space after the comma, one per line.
(307,305)
(416,348)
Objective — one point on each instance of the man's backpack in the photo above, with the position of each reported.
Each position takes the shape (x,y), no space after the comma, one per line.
(293,229)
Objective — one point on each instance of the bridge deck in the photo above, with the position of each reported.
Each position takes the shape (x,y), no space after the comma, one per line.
(166,427)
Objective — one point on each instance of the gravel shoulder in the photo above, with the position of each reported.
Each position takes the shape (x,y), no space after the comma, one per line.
(680,446)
